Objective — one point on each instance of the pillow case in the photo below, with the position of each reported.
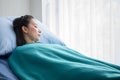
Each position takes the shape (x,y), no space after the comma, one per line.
(8,39)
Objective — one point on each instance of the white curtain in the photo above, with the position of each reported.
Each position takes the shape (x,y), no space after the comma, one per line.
(84,25)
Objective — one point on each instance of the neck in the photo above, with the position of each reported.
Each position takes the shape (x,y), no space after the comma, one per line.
(28,40)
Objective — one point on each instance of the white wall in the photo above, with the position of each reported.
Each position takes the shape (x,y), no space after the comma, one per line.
(36,8)
(21,7)
(14,7)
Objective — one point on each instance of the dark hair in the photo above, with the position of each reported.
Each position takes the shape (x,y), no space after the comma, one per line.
(17,26)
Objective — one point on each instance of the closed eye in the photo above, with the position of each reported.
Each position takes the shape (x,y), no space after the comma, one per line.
(35,26)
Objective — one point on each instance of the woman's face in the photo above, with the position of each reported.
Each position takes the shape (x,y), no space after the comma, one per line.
(32,31)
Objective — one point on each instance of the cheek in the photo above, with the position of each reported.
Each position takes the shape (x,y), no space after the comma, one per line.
(32,30)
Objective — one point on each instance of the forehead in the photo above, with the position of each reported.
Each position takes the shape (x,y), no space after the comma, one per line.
(32,21)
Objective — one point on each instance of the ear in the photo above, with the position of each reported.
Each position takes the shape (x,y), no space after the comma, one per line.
(24,29)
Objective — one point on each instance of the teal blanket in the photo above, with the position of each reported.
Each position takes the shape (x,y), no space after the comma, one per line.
(37,61)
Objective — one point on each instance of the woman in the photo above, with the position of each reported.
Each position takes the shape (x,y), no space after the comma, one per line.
(26,30)
(35,61)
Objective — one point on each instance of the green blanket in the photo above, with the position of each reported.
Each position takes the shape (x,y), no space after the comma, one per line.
(37,61)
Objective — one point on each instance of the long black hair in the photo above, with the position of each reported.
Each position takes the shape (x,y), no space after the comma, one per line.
(17,27)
